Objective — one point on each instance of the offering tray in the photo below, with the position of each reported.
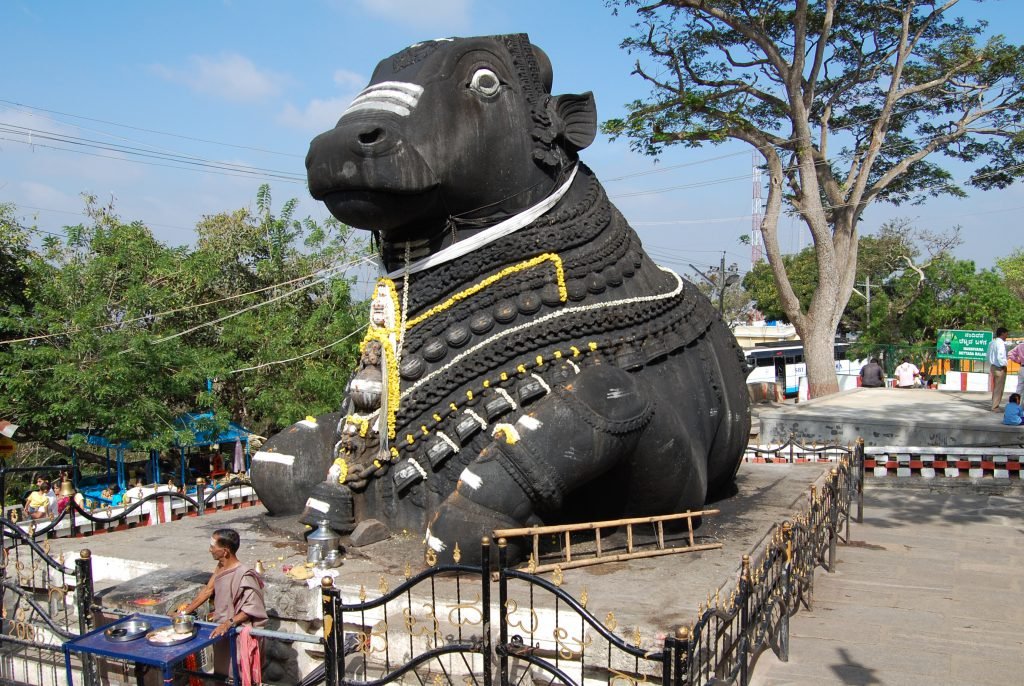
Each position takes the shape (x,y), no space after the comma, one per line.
(167,636)
(131,630)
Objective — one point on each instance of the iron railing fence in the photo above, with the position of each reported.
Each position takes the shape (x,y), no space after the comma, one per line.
(411,633)
(545,635)
(45,602)
(436,626)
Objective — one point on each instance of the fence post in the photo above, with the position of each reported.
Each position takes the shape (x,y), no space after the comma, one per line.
(668,661)
(787,590)
(833,519)
(331,631)
(84,599)
(485,606)
(682,658)
(201,496)
(743,652)
(502,610)
(858,456)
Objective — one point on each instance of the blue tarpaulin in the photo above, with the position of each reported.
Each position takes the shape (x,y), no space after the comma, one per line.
(193,422)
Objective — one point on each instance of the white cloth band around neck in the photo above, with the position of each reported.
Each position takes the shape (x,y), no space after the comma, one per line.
(500,230)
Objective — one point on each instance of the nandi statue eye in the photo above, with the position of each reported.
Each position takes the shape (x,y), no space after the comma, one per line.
(485,82)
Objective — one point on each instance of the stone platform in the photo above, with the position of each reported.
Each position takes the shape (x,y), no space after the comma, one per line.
(652,596)
(889,416)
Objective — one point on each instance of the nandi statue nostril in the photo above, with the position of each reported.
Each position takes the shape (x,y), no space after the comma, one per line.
(374,135)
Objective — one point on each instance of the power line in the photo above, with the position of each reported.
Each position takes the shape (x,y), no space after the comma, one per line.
(299,357)
(161,133)
(151,164)
(144,152)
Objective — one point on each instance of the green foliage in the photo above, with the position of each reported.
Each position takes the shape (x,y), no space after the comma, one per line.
(1012,268)
(717,71)
(14,248)
(127,330)
(735,301)
(802,269)
(848,103)
(911,300)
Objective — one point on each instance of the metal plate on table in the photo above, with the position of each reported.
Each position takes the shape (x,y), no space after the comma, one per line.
(165,637)
(128,631)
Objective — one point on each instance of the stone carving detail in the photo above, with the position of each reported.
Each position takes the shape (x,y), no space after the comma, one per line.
(525,362)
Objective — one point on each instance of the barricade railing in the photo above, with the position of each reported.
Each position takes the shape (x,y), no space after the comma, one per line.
(45,603)
(436,626)
(49,603)
(410,630)
(945,461)
(161,506)
(545,633)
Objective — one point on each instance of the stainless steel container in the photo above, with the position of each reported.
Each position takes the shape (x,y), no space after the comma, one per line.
(184,624)
(323,546)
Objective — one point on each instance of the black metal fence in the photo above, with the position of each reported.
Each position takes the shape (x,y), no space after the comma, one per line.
(436,626)
(545,635)
(46,600)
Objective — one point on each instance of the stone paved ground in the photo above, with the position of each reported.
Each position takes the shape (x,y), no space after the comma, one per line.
(931,592)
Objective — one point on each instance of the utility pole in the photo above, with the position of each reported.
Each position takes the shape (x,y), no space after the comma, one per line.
(866,295)
(719,284)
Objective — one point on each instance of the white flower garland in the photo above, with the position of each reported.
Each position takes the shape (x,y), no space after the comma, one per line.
(504,394)
(543,384)
(546,318)
(444,437)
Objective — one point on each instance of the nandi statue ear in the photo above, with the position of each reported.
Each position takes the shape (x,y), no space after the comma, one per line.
(563,125)
(578,114)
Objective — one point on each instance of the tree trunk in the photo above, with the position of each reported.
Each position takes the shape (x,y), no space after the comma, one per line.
(819,356)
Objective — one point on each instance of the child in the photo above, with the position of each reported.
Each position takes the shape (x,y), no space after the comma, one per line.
(1013,414)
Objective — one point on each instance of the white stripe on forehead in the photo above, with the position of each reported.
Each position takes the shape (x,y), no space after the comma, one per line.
(413,89)
(397,97)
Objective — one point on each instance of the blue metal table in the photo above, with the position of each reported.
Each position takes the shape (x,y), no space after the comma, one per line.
(141,651)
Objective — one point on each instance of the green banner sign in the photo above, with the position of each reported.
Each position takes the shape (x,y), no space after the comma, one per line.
(963,345)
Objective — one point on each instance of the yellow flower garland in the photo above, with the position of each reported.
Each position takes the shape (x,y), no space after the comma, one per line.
(382,334)
(563,294)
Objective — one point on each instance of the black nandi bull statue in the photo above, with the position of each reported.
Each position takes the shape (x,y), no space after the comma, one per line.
(526,362)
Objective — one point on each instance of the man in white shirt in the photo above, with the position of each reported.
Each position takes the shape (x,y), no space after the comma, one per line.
(997,366)
(907,374)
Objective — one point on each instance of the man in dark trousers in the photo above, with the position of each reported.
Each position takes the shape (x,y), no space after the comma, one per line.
(871,375)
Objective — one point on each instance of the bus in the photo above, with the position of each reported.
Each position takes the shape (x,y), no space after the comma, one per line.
(782,363)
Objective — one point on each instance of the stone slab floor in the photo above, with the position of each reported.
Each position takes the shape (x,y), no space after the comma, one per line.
(930,592)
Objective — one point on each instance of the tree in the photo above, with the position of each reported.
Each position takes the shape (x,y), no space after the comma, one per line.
(1012,267)
(917,288)
(14,248)
(848,101)
(123,332)
(244,253)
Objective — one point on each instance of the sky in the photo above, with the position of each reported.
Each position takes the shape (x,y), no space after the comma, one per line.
(215,98)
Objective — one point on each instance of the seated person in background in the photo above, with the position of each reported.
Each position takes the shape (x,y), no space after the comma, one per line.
(871,375)
(907,374)
(1013,415)
(134,493)
(51,498)
(37,504)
